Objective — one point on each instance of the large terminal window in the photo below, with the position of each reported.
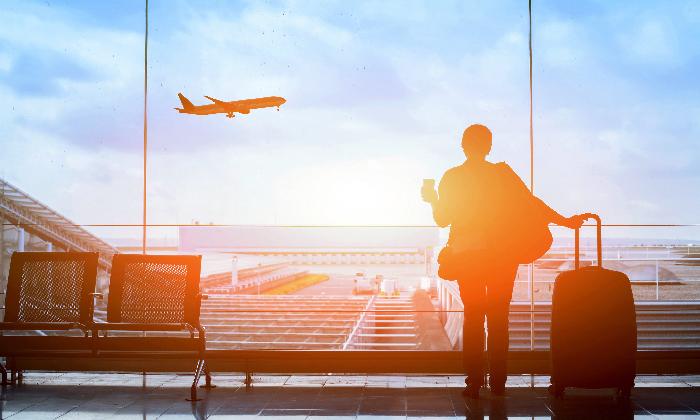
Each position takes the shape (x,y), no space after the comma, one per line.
(307,211)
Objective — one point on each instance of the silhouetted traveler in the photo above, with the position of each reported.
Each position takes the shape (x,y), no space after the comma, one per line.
(483,203)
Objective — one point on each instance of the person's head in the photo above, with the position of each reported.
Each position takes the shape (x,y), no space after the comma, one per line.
(476,141)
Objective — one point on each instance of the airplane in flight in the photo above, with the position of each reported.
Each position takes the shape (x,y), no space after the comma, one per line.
(222,107)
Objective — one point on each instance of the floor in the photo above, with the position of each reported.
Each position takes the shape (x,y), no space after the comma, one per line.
(127,396)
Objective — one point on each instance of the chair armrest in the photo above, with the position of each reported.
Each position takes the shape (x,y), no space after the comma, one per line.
(48,326)
(202,331)
(136,326)
(190,328)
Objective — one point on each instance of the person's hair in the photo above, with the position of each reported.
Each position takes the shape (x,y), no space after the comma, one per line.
(477,140)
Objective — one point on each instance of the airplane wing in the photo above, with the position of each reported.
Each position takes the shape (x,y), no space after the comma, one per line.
(216,101)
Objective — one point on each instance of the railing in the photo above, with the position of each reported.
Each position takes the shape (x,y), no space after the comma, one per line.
(665,283)
(359,324)
(451,311)
(328,318)
(651,277)
(662,325)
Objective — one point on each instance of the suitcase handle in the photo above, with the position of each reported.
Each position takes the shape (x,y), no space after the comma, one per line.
(599,240)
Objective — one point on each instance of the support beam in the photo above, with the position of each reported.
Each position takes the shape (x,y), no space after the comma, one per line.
(19,209)
(20,239)
(2,255)
(234,270)
(673,362)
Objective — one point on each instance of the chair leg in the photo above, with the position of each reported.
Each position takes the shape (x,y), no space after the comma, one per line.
(3,371)
(11,364)
(197,375)
(20,376)
(207,377)
(248,380)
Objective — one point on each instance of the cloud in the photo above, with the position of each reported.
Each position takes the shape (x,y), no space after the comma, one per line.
(377,98)
(70,78)
(652,41)
(27,74)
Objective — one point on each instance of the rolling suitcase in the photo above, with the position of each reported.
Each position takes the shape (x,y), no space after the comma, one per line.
(593,337)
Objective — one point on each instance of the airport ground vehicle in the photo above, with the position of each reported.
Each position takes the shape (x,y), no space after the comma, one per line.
(389,287)
(364,285)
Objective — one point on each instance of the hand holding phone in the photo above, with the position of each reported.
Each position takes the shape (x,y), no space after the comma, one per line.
(428,192)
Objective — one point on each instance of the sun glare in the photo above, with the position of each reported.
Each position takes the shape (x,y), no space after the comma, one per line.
(368,192)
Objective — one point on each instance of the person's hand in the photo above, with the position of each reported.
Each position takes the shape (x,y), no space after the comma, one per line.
(575,221)
(429,194)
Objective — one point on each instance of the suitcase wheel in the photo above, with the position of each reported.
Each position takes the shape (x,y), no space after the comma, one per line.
(556,391)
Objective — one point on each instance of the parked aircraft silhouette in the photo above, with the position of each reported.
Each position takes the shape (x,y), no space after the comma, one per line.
(222,107)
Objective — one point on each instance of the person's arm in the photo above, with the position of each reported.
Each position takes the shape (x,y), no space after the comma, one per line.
(441,213)
(439,201)
(573,222)
(552,215)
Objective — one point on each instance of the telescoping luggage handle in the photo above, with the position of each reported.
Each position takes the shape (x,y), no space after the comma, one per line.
(599,241)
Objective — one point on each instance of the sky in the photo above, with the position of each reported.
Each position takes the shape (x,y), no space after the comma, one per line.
(378,94)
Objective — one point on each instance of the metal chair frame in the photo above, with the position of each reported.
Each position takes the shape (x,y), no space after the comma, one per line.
(24,312)
(181,315)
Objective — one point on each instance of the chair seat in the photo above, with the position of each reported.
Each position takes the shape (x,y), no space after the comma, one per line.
(149,344)
(48,326)
(23,345)
(136,326)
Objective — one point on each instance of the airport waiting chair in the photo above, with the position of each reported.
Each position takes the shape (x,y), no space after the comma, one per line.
(154,294)
(49,292)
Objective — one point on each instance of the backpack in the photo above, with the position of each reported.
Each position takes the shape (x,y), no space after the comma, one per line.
(520,232)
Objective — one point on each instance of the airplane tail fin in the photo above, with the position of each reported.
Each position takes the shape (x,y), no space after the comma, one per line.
(186,104)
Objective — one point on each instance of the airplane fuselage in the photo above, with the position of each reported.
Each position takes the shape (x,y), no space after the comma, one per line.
(229,108)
